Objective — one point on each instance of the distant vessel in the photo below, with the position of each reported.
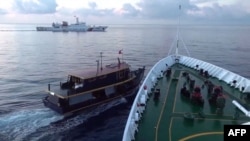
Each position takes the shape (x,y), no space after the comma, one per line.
(86,89)
(65,27)
(184,98)
(97,28)
(76,27)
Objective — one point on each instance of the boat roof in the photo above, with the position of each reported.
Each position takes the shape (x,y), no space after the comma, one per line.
(176,117)
(111,68)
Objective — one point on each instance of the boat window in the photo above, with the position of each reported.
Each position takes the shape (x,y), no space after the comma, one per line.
(127,73)
(82,81)
(121,74)
(69,79)
(103,77)
(75,79)
(92,79)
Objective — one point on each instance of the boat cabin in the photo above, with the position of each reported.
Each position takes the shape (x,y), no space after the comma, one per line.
(110,74)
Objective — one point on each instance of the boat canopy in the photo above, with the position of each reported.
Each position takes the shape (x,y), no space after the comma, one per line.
(100,72)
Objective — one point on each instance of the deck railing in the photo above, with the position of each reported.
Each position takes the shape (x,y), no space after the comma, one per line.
(142,95)
(233,79)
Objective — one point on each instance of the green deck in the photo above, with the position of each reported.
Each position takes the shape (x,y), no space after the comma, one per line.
(163,120)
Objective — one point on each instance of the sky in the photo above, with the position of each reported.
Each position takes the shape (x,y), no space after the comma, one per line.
(126,11)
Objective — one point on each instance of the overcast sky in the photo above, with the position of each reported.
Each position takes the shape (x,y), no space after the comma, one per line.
(126,11)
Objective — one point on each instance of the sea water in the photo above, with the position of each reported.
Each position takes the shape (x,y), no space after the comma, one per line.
(29,60)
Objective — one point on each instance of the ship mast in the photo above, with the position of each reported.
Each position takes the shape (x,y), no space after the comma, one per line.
(177,46)
(178,38)
(77,20)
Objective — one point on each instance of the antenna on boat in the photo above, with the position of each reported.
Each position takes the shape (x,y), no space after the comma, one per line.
(101,59)
(97,67)
(120,52)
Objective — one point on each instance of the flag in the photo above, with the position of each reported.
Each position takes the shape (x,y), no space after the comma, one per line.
(120,51)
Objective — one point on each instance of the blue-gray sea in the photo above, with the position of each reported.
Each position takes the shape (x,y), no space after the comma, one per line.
(29,60)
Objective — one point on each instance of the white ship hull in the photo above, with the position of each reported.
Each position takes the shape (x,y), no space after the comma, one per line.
(65,27)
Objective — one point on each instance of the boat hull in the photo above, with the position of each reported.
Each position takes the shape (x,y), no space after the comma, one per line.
(98,28)
(127,90)
(41,28)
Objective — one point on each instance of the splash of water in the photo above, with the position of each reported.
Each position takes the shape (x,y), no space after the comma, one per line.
(17,125)
(39,123)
